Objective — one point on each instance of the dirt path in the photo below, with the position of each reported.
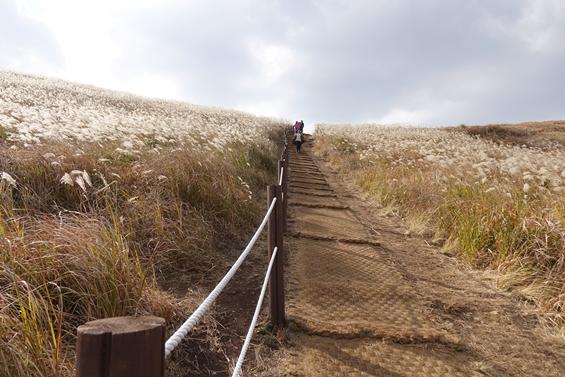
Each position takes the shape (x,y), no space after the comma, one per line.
(365,299)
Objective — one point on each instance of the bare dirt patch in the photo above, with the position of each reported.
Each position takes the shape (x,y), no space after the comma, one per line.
(212,349)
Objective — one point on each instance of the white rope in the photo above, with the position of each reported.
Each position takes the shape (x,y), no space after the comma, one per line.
(281,176)
(193,320)
(251,330)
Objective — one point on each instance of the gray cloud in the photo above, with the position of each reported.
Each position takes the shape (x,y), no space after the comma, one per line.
(433,62)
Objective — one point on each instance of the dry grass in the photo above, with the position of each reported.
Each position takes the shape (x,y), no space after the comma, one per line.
(533,134)
(468,193)
(69,256)
(89,230)
(3,133)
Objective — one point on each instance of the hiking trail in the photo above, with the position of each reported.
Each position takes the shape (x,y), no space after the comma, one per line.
(365,298)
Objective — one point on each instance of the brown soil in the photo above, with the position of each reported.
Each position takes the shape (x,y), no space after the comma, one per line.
(214,346)
(364,298)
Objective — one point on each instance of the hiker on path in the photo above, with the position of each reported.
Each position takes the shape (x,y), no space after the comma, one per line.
(298,139)
(296,126)
(301,126)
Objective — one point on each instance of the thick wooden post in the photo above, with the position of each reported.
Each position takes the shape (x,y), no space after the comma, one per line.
(271,243)
(281,318)
(121,346)
(275,238)
(285,195)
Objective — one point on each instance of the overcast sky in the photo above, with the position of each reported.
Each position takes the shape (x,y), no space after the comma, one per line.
(424,62)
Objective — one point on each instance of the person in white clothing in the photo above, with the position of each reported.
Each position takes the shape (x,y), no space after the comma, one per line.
(298,140)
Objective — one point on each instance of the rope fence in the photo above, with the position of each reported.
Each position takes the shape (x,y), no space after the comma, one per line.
(241,358)
(136,346)
(193,320)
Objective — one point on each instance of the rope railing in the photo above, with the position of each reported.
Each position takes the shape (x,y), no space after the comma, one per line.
(241,358)
(193,320)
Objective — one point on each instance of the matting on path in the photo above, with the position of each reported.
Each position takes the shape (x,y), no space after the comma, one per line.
(315,356)
(345,299)
(328,222)
(355,290)
(304,198)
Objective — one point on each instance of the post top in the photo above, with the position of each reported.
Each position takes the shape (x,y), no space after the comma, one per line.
(121,325)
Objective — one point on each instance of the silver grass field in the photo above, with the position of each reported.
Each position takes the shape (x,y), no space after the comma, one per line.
(106,199)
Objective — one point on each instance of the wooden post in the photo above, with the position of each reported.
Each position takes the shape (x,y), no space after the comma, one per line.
(280,177)
(279,261)
(275,238)
(281,165)
(121,346)
(271,243)
(285,195)
(284,150)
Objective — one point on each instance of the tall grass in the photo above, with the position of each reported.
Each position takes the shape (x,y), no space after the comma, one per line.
(489,222)
(3,133)
(69,254)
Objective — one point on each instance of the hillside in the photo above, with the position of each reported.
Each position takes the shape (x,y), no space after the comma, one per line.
(112,205)
(37,108)
(534,134)
(497,204)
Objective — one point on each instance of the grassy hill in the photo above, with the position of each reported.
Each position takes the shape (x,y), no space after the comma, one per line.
(106,198)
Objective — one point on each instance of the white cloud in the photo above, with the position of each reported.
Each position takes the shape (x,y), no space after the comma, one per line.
(441,61)
(274,61)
